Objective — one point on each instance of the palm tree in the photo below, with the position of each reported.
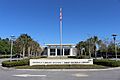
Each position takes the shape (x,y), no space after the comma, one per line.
(95,40)
(99,42)
(80,46)
(26,45)
(89,44)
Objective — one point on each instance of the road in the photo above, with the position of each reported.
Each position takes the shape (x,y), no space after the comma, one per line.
(12,74)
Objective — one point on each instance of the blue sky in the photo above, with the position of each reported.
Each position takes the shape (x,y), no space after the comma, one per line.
(40,19)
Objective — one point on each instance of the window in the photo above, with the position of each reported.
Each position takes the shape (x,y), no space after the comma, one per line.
(52,52)
(66,51)
(58,52)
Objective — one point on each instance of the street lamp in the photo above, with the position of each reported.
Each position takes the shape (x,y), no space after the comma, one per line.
(11,49)
(114,38)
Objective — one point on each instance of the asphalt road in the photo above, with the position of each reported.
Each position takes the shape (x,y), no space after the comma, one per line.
(12,74)
(59,75)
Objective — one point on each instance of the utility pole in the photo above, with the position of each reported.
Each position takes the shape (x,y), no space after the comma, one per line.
(114,38)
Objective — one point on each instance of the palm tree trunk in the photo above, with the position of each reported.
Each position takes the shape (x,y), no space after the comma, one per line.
(95,50)
(95,54)
(23,52)
(106,54)
(89,54)
(28,51)
(36,54)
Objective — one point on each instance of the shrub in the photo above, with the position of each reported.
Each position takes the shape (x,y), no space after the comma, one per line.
(105,62)
(15,63)
(83,57)
(4,56)
(43,56)
(72,57)
(61,67)
(38,57)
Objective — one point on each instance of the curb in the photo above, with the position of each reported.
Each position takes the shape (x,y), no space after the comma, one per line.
(69,69)
(5,68)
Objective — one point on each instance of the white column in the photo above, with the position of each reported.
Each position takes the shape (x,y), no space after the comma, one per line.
(63,51)
(55,51)
(71,51)
(48,53)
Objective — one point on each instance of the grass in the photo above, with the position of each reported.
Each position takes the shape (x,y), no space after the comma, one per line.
(62,67)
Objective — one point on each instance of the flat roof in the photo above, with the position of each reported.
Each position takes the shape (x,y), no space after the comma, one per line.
(59,44)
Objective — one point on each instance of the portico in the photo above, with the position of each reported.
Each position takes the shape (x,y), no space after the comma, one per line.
(54,50)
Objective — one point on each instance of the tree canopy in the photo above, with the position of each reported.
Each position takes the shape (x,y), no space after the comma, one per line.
(23,45)
(94,46)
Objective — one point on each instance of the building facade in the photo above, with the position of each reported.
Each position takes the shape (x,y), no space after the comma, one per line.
(53,50)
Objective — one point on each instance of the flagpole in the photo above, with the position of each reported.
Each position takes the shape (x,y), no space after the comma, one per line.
(60,31)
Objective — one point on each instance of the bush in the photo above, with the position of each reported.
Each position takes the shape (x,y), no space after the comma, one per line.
(4,56)
(61,67)
(105,62)
(43,56)
(38,57)
(72,57)
(15,63)
(83,57)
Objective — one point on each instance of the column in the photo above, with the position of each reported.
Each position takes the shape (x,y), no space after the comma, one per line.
(63,51)
(71,51)
(48,53)
(56,51)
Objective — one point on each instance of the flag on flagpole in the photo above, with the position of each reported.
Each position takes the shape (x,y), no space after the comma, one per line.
(61,31)
(60,14)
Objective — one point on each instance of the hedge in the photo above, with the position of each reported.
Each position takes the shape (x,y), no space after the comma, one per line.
(38,57)
(19,62)
(106,62)
(4,56)
(79,57)
(103,62)
(15,63)
(72,57)
(61,67)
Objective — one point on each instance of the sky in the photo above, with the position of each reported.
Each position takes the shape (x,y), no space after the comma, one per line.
(40,19)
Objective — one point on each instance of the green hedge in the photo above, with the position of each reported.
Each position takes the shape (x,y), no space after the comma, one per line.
(38,57)
(15,63)
(61,67)
(82,57)
(105,62)
(72,57)
(4,56)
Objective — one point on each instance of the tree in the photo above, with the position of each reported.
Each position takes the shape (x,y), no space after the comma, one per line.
(4,46)
(27,46)
(95,40)
(89,46)
(80,46)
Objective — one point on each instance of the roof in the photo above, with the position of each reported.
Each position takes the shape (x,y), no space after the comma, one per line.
(59,44)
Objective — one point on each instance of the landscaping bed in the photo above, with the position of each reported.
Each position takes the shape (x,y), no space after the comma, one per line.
(62,67)
(4,56)
(106,62)
(24,64)
(98,64)
(15,63)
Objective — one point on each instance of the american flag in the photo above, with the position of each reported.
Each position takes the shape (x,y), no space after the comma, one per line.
(60,14)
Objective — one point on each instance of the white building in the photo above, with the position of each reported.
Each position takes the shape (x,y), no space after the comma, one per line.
(53,50)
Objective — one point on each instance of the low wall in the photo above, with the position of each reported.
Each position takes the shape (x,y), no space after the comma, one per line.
(60,61)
